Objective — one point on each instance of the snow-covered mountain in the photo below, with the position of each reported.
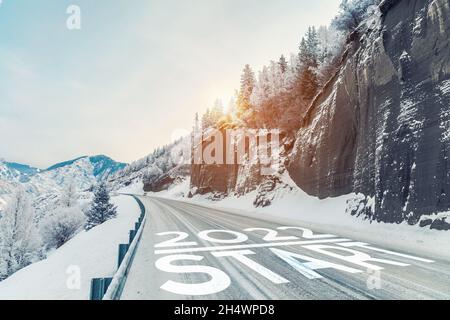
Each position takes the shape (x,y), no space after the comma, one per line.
(11,176)
(45,186)
(102,166)
(16,172)
(158,169)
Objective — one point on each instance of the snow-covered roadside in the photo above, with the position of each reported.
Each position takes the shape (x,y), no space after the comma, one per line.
(93,253)
(329,216)
(135,188)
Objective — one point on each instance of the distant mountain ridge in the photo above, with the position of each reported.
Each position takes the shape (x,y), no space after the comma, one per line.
(103,165)
(64,163)
(19,172)
(22,167)
(45,186)
(16,172)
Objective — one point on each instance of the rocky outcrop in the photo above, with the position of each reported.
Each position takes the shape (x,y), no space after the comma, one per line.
(163,182)
(214,179)
(221,180)
(381,127)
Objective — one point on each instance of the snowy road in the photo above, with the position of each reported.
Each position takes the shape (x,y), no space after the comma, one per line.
(188,251)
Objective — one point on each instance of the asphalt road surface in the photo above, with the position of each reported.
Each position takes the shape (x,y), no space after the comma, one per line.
(192,252)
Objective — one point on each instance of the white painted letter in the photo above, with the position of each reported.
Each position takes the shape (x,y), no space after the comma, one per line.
(219,279)
(356,257)
(238,237)
(307,268)
(241,257)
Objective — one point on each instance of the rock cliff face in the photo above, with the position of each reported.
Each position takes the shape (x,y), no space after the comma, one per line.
(216,179)
(223,179)
(381,127)
(239,179)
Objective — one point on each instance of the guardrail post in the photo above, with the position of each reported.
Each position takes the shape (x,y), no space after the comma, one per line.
(99,286)
(123,248)
(132,235)
(107,282)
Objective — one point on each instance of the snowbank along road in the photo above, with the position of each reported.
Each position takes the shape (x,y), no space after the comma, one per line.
(188,251)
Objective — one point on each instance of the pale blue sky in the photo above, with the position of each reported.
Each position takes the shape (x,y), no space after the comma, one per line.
(134,73)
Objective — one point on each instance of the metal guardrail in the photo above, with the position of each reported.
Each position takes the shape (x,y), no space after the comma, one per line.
(111,288)
(99,287)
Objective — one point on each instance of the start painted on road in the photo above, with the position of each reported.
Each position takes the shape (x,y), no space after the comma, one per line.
(228,244)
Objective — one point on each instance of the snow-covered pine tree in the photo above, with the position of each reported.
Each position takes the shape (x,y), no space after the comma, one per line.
(291,74)
(308,82)
(217,112)
(331,45)
(312,41)
(276,79)
(101,209)
(352,13)
(19,239)
(262,89)
(196,126)
(206,120)
(282,63)
(245,92)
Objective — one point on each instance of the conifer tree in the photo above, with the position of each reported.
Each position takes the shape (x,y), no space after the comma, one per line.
(206,120)
(101,209)
(308,82)
(245,92)
(282,63)
(217,111)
